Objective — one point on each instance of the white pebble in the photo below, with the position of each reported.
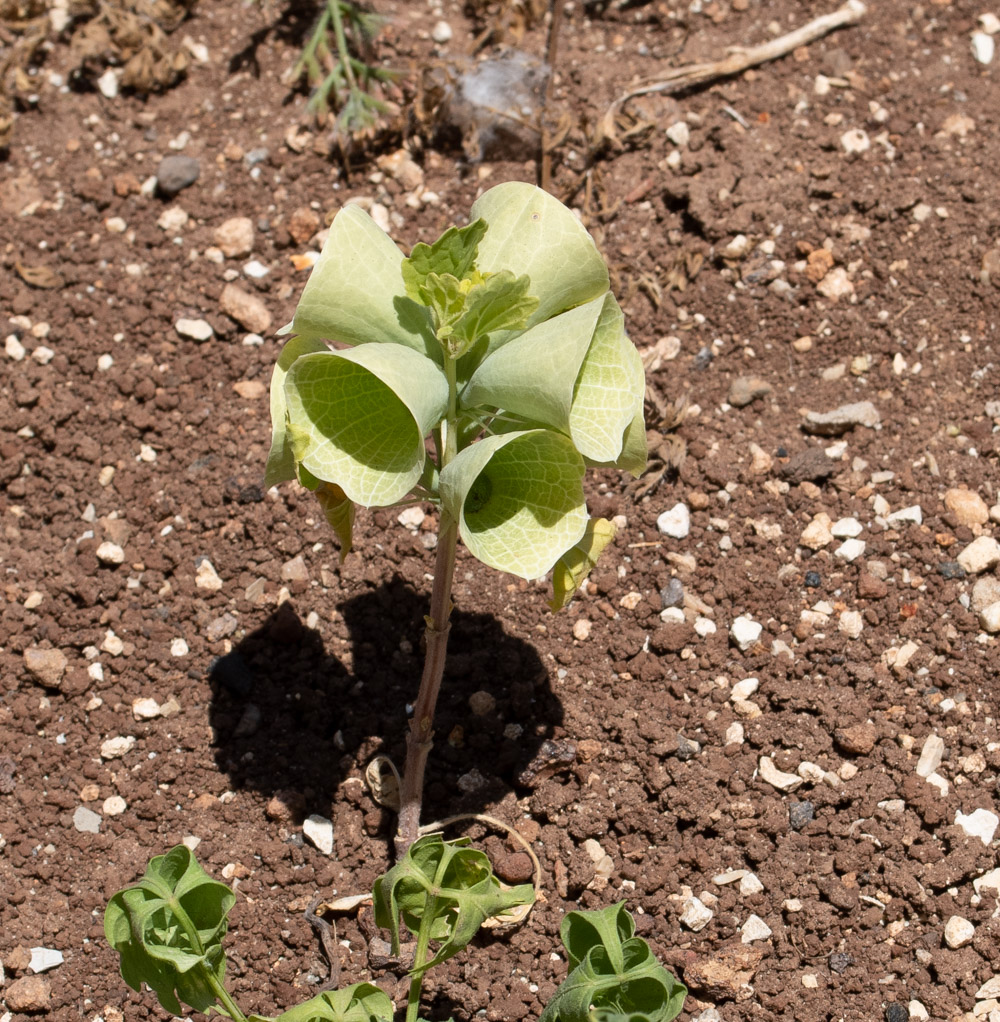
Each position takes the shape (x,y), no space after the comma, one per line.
(679,133)
(983,47)
(411,517)
(931,755)
(989,618)
(43,355)
(989,23)
(44,958)
(745,688)
(696,915)
(110,553)
(114,806)
(850,549)
(958,932)
(980,555)
(704,626)
(256,269)
(981,823)
(777,778)
(851,623)
(914,513)
(319,830)
(206,577)
(145,709)
(112,644)
(172,219)
(115,748)
(441,32)
(581,629)
(734,733)
(108,83)
(745,632)
(196,329)
(846,528)
(855,141)
(178,647)
(676,522)
(146,453)
(750,884)
(14,348)
(754,929)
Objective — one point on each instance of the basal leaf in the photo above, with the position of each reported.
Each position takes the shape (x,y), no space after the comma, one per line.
(578,562)
(454,253)
(358,418)
(355,293)
(360,1002)
(168,930)
(530,232)
(518,499)
(447,887)
(280,460)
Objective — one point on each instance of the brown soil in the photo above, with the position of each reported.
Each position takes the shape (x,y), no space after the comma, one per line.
(297,671)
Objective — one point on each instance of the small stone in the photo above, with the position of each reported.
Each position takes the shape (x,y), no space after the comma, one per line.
(980,555)
(846,528)
(145,709)
(735,733)
(800,813)
(987,882)
(842,419)
(295,570)
(206,577)
(676,522)
(115,748)
(303,224)
(958,932)
(47,665)
(871,588)
(985,592)
(176,173)
(319,830)
(86,820)
(110,553)
(195,329)
(471,781)
(967,506)
(817,534)
(672,594)
(850,549)
(45,958)
(235,237)
(989,990)
(250,390)
(989,618)
(14,348)
(982,823)
(836,284)
(931,755)
(989,23)
(704,627)
(696,915)
(858,739)
(810,980)
(441,32)
(750,884)
(248,310)
(745,389)
(581,629)
(744,631)
(777,778)
(411,517)
(744,689)
(983,47)
(29,994)
(754,929)
(179,647)
(249,722)
(114,806)
(679,133)
(851,624)
(221,627)
(172,219)
(896,1012)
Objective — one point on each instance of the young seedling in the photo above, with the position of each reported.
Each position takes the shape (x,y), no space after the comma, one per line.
(614,975)
(484,374)
(169,927)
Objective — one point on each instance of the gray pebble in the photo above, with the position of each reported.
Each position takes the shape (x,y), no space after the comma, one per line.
(255,156)
(175,173)
(799,814)
(86,820)
(672,594)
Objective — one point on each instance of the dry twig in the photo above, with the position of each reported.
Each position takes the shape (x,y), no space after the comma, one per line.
(739,59)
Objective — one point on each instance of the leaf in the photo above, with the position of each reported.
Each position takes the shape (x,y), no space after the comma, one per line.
(38,276)
(532,233)
(446,887)
(577,372)
(500,302)
(454,253)
(168,930)
(360,1002)
(280,460)
(338,509)
(614,976)
(358,418)
(355,293)
(578,562)
(518,499)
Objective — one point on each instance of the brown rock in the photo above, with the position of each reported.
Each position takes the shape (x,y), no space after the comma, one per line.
(727,975)
(235,237)
(819,263)
(808,465)
(968,507)
(303,224)
(29,994)
(990,268)
(671,637)
(247,309)
(745,389)
(871,588)
(205,801)
(18,959)
(858,739)
(47,665)
(285,806)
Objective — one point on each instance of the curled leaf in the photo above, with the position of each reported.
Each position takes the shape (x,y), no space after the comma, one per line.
(578,562)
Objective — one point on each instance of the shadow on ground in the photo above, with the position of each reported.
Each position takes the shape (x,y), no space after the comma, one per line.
(288,714)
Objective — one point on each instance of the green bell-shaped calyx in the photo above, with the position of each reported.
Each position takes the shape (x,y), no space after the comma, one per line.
(355,293)
(357,418)
(518,499)
(577,372)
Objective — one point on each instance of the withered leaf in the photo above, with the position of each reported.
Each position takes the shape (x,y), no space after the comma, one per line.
(38,276)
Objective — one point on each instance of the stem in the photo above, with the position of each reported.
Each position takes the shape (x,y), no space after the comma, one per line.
(222,995)
(345,55)
(427,919)
(421,737)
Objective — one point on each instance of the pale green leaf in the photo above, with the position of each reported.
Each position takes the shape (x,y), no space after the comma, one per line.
(280,460)
(446,300)
(609,388)
(578,562)
(454,253)
(355,293)
(500,302)
(531,232)
(534,374)
(358,418)
(518,499)
(634,449)
(339,511)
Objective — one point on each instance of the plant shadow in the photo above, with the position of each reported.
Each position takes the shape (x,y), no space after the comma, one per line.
(290,716)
